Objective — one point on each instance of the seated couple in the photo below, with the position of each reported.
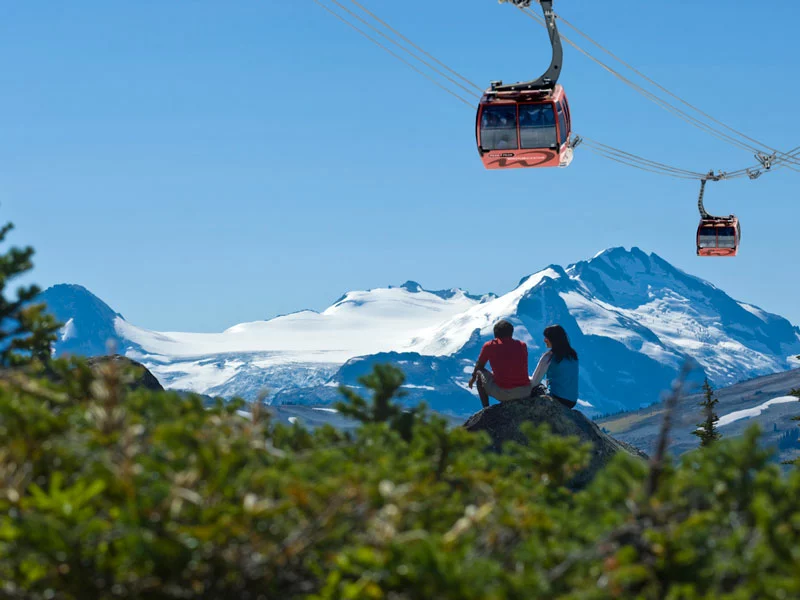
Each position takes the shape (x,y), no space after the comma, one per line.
(509,380)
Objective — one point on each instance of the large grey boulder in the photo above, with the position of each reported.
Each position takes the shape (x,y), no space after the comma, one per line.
(502,423)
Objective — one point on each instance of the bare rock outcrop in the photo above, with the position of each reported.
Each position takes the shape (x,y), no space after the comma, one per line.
(502,423)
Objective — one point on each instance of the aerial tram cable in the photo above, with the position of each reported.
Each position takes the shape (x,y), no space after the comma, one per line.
(627,155)
(632,160)
(789,154)
(403,48)
(603,150)
(664,104)
(398,57)
(659,101)
(638,166)
(766,160)
(756,171)
(408,41)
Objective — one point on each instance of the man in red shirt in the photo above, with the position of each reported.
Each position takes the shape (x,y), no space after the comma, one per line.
(508,379)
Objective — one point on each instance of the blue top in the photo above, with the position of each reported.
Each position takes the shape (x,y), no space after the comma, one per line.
(562,378)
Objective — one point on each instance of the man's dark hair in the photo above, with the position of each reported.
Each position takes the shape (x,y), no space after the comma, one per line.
(503,329)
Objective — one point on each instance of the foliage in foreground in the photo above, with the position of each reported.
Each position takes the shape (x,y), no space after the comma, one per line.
(26,329)
(107,494)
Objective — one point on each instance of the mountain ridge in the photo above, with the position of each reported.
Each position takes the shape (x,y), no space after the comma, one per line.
(633,317)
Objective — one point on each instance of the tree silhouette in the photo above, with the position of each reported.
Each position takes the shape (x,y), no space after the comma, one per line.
(26,330)
(384,381)
(707,430)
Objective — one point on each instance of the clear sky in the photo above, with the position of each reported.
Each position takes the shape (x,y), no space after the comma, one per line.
(199,164)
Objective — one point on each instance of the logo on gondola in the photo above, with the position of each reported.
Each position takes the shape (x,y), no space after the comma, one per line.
(530,160)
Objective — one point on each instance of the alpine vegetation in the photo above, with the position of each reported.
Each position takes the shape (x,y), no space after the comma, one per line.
(108,493)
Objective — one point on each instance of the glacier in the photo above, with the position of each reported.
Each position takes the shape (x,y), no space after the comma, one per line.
(632,316)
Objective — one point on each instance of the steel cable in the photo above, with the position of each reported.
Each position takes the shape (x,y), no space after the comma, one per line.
(663,103)
(637,166)
(398,57)
(403,48)
(401,36)
(653,163)
(788,155)
(604,150)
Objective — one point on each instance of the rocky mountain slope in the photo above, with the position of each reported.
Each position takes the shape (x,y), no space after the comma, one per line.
(764,401)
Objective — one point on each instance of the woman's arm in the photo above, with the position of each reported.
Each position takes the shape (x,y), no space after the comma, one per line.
(541,369)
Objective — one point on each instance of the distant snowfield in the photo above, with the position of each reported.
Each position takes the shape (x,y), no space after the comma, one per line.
(658,315)
(361,323)
(749,413)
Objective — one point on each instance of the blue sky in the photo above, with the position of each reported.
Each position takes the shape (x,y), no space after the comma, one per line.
(201,164)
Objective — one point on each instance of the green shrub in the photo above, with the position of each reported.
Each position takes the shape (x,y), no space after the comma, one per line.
(106,493)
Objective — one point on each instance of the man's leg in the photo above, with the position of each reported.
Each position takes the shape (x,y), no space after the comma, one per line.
(482,391)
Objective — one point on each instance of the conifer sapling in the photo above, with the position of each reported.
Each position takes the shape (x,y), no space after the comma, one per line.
(707,430)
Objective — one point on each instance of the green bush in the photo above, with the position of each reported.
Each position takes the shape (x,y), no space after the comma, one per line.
(106,493)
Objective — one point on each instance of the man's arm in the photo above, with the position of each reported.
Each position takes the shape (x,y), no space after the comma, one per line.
(479,366)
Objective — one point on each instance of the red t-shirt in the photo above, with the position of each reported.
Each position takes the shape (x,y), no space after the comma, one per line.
(509,360)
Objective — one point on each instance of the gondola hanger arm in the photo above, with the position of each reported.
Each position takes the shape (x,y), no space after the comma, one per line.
(550,77)
(710,176)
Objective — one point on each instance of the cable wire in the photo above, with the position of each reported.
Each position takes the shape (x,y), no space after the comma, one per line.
(398,57)
(622,153)
(403,48)
(400,35)
(604,150)
(659,101)
(636,166)
(668,92)
(663,103)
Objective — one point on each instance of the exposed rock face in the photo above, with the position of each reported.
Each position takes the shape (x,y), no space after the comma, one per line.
(502,423)
(142,377)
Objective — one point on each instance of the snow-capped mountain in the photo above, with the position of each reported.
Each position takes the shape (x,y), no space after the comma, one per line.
(89,324)
(633,318)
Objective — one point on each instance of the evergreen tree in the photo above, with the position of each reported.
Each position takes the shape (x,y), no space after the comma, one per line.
(26,330)
(707,430)
(384,382)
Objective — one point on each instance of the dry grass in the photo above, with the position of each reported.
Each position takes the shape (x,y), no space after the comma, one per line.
(626,421)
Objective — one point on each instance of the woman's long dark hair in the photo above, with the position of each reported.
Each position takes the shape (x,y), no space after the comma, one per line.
(560,342)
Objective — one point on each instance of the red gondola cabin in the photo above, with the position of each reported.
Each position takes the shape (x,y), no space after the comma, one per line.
(524,129)
(718,236)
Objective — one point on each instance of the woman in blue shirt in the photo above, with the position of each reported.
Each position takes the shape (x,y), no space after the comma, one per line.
(560,365)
